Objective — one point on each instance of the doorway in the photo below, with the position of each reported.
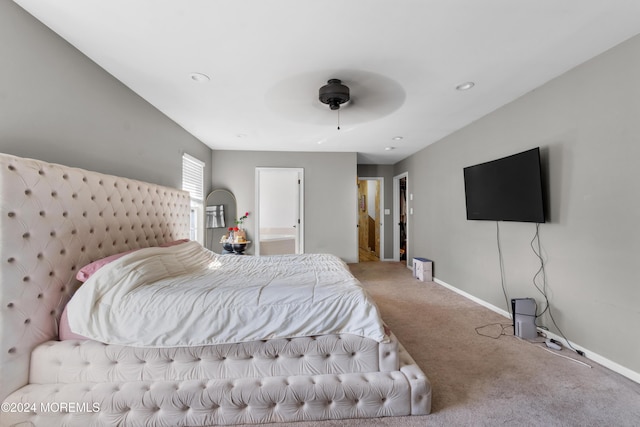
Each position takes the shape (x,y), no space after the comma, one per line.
(279,211)
(401,219)
(370,235)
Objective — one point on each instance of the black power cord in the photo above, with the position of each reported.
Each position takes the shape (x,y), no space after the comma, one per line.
(502,276)
(541,271)
(500,330)
(536,246)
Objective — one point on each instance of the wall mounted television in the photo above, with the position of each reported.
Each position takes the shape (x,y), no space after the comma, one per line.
(506,189)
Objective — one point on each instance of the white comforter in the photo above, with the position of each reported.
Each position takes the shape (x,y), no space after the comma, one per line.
(186,295)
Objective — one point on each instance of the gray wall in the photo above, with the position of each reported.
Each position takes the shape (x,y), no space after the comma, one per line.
(386,172)
(587,125)
(330,193)
(59,106)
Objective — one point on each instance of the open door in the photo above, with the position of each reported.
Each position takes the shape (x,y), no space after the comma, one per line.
(370,234)
(401,218)
(279,211)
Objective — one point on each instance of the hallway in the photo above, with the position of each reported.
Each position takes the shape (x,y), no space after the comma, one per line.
(367,256)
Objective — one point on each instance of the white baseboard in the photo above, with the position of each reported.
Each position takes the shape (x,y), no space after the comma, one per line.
(474,299)
(607,363)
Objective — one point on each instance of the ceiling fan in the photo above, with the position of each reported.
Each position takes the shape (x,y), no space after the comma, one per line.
(334,93)
(360,96)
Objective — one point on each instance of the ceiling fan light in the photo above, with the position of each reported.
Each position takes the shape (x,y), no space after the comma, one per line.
(334,93)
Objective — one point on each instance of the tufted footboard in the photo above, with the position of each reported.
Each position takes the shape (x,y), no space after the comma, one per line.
(201,402)
(92,361)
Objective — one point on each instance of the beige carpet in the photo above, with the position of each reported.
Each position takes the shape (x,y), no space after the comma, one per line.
(481,381)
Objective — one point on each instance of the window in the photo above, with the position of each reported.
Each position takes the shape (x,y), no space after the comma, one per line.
(193,182)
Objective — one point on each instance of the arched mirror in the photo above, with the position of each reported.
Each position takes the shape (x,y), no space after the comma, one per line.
(220,214)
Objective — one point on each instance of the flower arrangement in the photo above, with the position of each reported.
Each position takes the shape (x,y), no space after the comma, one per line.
(236,234)
(240,220)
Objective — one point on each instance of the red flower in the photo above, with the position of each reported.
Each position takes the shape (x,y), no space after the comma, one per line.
(230,229)
(240,220)
(236,229)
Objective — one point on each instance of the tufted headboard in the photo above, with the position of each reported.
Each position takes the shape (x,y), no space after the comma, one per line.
(53,220)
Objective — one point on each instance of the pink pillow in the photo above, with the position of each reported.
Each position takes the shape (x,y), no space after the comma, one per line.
(86,271)
(64,330)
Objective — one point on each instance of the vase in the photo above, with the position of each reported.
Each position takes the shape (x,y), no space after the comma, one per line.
(239,248)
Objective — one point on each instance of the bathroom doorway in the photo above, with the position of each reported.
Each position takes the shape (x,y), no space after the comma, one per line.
(279,211)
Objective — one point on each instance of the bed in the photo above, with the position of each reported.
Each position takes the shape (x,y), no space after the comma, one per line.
(54,220)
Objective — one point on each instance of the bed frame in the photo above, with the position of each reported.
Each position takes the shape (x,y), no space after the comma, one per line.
(55,219)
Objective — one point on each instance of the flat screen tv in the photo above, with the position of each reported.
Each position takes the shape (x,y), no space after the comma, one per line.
(506,189)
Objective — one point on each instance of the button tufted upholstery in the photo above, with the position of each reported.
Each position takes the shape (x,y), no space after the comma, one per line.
(53,220)
(223,401)
(82,361)
(217,402)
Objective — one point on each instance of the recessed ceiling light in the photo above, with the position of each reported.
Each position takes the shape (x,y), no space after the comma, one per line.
(389,148)
(465,86)
(199,77)
(397,138)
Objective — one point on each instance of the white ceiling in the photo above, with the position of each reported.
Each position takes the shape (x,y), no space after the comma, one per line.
(402,59)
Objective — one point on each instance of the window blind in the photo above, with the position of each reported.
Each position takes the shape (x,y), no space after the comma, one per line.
(193,177)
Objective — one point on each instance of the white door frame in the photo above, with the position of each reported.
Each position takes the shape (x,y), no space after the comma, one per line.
(396,217)
(380,209)
(300,226)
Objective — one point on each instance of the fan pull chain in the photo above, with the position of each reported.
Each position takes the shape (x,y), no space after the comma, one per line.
(338,119)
